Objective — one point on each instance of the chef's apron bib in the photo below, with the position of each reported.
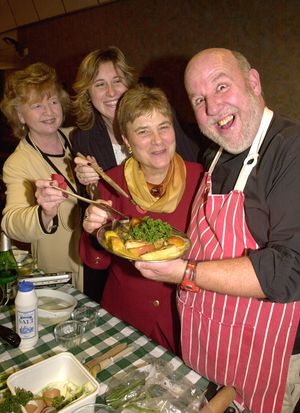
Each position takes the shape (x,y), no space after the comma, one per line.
(243,342)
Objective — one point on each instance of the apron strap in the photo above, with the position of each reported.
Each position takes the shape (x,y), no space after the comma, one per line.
(215,160)
(252,157)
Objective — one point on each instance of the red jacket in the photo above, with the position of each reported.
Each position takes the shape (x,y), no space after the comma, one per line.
(147,305)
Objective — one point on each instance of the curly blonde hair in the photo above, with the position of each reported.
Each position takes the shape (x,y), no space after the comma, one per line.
(38,78)
(141,100)
(82,106)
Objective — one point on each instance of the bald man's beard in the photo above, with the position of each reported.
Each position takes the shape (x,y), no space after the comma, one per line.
(248,130)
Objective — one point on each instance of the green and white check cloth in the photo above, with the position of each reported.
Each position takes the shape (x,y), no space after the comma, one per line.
(108,331)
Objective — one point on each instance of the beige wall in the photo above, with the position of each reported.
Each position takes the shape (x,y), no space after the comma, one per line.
(158,36)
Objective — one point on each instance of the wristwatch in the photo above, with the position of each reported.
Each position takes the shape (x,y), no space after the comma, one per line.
(189,275)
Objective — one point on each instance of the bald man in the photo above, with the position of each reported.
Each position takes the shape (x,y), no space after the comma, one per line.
(240,284)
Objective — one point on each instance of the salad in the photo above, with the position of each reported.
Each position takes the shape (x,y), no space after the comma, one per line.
(50,399)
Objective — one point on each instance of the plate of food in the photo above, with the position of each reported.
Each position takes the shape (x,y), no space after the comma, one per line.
(143,239)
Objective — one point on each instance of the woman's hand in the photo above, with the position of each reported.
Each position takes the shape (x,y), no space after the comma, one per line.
(164,271)
(48,198)
(95,217)
(84,172)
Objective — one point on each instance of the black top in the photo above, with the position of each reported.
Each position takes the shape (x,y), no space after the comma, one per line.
(96,142)
(272,206)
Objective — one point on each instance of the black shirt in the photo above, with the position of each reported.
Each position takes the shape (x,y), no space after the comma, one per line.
(272,207)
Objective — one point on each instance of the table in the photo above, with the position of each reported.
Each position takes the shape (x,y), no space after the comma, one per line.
(109,331)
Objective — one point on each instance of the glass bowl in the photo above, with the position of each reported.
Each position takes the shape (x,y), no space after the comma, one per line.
(87,316)
(69,333)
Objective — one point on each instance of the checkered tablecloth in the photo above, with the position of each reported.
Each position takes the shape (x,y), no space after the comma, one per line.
(108,332)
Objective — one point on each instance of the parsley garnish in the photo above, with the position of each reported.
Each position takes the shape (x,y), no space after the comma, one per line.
(151,230)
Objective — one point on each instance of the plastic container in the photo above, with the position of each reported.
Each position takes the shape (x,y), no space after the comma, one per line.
(61,368)
(26,315)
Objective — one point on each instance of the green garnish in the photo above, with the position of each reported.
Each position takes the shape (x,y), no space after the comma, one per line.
(60,401)
(151,230)
(12,403)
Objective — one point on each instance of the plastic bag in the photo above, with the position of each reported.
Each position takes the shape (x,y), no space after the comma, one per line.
(152,389)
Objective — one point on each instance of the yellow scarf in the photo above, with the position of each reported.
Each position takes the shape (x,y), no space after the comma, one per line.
(174,185)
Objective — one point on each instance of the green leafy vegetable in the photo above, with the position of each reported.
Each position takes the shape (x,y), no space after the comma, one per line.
(151,230)
(60,401)
(3,378)
(12,403)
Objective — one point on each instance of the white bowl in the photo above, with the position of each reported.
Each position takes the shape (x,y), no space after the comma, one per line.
(63,367)
(54,306)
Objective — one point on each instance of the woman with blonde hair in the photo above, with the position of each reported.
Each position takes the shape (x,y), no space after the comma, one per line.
(34,103)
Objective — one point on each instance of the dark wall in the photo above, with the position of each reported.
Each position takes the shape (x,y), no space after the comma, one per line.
(159,37)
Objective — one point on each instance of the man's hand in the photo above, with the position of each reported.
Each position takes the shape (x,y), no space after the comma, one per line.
(164,271)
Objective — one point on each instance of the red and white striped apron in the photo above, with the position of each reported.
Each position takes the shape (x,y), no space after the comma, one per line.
(238,341)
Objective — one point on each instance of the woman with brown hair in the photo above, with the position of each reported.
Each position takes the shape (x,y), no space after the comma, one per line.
(102,78)
(34,103)
(162,185)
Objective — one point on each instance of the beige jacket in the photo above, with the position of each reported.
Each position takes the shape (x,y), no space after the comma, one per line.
(54,252)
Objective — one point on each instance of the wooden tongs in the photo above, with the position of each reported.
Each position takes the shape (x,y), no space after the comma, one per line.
(97,202)
(100,172)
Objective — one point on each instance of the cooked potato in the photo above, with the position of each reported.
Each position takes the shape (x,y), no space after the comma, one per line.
(117,244)
(109,234)
(168,252)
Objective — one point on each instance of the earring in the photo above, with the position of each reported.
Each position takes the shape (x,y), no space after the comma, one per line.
(129,149)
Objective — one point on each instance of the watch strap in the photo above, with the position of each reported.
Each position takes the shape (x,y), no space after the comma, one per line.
(189,275)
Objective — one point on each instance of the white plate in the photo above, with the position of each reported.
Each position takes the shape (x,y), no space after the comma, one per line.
(54,306)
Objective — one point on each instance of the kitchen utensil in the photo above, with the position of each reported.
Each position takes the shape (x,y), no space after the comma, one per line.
(220,401)
(97,363)
(97,202)
(104,176)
